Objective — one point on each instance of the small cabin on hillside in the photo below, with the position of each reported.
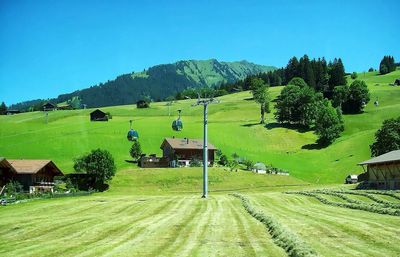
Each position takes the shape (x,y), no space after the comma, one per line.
(98,115)
(259,168)
(49,107)
(33,175)
(181,151)
(383,172)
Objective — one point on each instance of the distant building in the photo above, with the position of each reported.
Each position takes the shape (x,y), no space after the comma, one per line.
(98,115)
(180,151)
(351,179)
(259,168)
(33,175)
(142,104)
(12,112)
(64,106)
(49,107)
(383,172)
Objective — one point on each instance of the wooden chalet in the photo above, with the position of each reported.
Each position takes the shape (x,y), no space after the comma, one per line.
(6,172)
(49,107)
(181,151)
(33,175)
(98,115)
(12,112)
(383,172)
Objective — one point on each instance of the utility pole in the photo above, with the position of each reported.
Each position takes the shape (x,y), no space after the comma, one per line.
(205,103)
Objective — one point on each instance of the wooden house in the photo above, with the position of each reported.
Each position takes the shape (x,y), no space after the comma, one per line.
(49,107)
(6,172)
(181,151)
(383,172)
(12,112)
(98,115)
(34,175)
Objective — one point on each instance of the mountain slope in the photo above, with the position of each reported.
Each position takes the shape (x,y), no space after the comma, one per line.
(160,81)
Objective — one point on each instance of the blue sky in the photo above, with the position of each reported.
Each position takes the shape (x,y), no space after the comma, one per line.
(53,47)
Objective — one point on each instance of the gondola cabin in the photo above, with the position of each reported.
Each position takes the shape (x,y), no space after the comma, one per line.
(98,115)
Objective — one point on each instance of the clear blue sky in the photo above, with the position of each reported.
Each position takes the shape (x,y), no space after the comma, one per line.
(53,47)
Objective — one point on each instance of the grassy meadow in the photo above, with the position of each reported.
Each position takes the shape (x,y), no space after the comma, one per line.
(159,212)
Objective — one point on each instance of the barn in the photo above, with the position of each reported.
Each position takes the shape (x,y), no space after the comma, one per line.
(383,172)
(34,175)
(49,107)
(181,151)
(98,115)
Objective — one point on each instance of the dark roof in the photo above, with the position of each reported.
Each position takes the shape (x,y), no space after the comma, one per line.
(32,166)
(50,104)
(387,157)
(98,111)
(185,143)
(5,164)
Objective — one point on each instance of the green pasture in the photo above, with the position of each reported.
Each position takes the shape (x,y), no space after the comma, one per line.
(233,127)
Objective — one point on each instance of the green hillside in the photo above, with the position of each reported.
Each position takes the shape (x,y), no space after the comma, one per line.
(158,82)
(233,127)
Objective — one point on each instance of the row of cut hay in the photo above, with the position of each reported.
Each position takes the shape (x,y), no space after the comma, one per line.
(388,193)
(357,206)
(282,237)
(384,203)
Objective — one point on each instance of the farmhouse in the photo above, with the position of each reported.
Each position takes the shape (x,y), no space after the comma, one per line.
(383,172)
(34,175)
(181,151)
(6,172)
(12,112)
(49,107)
(153,161)
(98,115)
(259,168)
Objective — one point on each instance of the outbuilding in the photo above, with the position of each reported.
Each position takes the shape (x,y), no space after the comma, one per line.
(383,172)
(181,151)
(98,115)
(260,168)
(351,179)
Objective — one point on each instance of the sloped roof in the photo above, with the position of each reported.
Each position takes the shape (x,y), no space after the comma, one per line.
(259,166)
(5,164)
(98,111)
(32,166)
(184,143)
(387,157)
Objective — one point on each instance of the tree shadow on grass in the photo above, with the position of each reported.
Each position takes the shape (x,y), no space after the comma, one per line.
(298,128)
(251,124)
(315,146)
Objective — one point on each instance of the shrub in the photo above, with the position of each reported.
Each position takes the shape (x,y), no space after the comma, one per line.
(223,160)
(354,75)
(195,163)
(136,150)
(13,188)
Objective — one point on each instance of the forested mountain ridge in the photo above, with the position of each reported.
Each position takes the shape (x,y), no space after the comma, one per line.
(158,82)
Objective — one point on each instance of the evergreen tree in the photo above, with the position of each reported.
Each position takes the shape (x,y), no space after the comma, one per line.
(3,108)
(291,69)
(136,150)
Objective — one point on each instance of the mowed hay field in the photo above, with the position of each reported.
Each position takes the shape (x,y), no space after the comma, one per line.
(159,212)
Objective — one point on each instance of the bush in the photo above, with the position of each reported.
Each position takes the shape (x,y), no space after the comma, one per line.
(328,124)
(248,163)
(223,160)
(354,75)
(136,150)
(99,163)
(296,81)
(13,188)
(358,96)
(195,163)
(142,104)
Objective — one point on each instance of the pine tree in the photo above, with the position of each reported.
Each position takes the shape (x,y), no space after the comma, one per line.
(3,108)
